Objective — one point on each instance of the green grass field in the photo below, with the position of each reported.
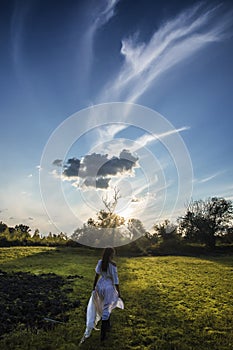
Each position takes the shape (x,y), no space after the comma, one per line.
(180,303)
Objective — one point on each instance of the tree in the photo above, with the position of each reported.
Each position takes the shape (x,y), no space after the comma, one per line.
(136,228)
(3,227)
(21,233)
(110,205)
(204,220)
(228,237)
(106,229)
(106,218)
(138,236)
(165,230)
(4,234)
(23,228)
(36,236)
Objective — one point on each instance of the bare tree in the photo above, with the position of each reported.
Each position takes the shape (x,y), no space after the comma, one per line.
(107,228)
(110,205)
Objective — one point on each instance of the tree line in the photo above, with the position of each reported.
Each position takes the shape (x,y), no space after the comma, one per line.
(21,235)
(205,222)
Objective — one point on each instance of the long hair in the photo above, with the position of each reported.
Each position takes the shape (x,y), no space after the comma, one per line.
(108,252)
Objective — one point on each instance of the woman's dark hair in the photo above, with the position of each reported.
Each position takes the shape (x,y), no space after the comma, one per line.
(108,252)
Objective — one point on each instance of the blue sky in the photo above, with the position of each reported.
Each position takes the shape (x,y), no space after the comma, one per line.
(168,60)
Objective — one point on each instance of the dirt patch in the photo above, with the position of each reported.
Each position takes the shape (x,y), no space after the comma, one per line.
(34,301)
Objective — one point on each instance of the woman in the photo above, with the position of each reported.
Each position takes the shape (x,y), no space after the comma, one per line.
(105,296)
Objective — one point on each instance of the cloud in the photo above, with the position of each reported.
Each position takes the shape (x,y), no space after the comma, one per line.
(102,183)
(133,145)
(91,165)
(105,12)
(146,139)
(72,167)
(20,13)
(97,169)
(175,41)
(97,14)
(108,132)
(57,162)
(209,178)
(118,165)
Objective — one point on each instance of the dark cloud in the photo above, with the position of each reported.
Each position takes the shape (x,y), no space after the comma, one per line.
(57,162)
(125,154)
(97,182)
(72,167)
(118,165)
(115,166)
(97,169)
(91,164)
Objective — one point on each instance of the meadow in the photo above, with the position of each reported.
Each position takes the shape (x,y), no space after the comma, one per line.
(171,302)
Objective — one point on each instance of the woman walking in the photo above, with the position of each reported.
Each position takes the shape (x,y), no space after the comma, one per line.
(105,296)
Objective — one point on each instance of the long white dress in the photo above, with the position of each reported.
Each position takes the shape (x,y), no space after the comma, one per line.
(103,299)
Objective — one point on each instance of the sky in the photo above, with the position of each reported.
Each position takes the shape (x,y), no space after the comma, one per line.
(98,95)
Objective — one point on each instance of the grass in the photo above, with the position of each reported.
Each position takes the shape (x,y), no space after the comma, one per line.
(171,303)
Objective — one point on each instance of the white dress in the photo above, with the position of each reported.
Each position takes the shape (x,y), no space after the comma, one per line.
(103,299)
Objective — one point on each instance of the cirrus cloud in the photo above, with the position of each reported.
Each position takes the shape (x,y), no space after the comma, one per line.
(175,41)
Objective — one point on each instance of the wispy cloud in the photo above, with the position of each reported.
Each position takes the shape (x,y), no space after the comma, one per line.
(135,144)
(146,139)
(109,131)
(209,178)
(106,10)
(173,42)
(97,15)
(20,12)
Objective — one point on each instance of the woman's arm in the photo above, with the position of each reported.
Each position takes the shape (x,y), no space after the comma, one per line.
(118,290)
(95,280)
